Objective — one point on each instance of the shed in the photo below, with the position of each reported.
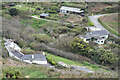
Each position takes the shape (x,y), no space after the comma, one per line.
(63,64)
(43,15)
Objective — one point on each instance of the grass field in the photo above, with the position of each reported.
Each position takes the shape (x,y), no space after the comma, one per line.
(35,23)
(71,62)
(110,22)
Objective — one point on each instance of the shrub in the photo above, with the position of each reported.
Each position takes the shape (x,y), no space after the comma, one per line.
(43,38)
(79,46)
(53,62)
(13,12)
(9,72)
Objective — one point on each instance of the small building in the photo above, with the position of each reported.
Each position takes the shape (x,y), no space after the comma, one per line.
(71,10)
(12,4)
(96,36)
(34,58)
(43,15)
(63,64)
(92,28)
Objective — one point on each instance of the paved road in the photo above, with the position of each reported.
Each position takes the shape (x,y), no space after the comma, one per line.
(94,20)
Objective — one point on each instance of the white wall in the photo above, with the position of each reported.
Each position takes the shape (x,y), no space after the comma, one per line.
(39,62)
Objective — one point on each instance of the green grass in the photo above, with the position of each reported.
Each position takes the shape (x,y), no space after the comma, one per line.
(67,61)
(35,23)
(89,23)
(71,62)
(33,71)
(20,8)
(109,28)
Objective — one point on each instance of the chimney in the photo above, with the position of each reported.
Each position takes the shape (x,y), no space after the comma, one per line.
(43,53)
(32,56)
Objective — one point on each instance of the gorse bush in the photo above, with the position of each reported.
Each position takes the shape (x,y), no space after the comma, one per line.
(79,46)
(103,56)
(53,62)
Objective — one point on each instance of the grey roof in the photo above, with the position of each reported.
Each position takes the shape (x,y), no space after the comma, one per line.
(44,14)
(37,57)
(96,34)
(16,53)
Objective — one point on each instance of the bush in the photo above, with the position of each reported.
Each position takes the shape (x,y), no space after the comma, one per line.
(79,46)
(43,38)
(53,62)
(13,12)
(10,72)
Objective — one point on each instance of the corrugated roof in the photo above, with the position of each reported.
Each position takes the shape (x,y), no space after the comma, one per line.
(71,9)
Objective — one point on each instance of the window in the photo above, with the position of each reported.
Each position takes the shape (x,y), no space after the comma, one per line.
(87,39)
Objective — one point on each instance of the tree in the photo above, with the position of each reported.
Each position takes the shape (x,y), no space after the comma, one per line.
(79,46)
(13,11)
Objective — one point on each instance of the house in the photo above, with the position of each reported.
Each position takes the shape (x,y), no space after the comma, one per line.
(98,37)
(63,64)
(71,10)
(34,58)
(43,15)
(14,51)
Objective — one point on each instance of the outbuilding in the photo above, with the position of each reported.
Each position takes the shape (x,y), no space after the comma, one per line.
(71,10)
(43,15)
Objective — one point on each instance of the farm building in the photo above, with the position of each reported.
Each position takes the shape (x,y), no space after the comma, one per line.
(43,15)
(97,36)
(71,10)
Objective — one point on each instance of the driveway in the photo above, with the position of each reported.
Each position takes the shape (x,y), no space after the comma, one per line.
(94,20)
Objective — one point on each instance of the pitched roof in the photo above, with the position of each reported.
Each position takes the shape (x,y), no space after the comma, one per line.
(16,53)
(71,9)
(95,34)
(37,57)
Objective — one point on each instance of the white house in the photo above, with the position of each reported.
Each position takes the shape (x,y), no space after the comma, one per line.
(14,51)
(97,36)
(65,10)
(34,58)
